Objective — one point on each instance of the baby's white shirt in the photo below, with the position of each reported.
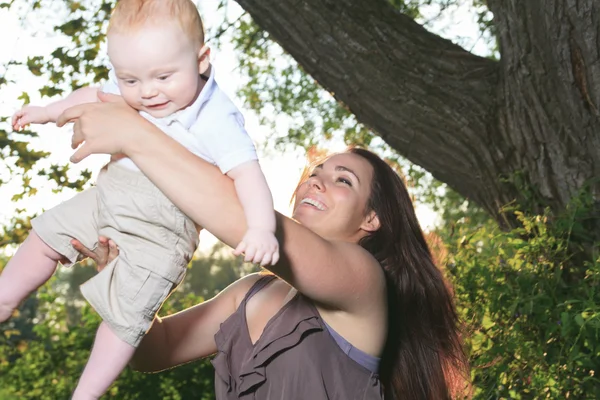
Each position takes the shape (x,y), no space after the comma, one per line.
(211,128)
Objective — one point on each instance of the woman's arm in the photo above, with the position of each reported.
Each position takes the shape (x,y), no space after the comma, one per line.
(182,337)
(189,334)
(336,274)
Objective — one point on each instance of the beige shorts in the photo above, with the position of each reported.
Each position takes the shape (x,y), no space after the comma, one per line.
(156,242)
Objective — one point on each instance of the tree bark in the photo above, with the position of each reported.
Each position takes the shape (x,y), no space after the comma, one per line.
(549,93)
(526,128)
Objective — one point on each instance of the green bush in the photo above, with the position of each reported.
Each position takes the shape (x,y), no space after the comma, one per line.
(532,315)
(47,366)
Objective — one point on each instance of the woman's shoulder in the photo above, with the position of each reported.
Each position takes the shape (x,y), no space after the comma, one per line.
(241,287)
(369,269)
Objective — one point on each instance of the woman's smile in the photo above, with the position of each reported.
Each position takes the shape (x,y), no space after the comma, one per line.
(314,203)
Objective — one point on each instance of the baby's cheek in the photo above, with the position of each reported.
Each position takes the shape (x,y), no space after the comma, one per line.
(131,98)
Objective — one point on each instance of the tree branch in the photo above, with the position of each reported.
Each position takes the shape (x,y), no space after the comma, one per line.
(428,98)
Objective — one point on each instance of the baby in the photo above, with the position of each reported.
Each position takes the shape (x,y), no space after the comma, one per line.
(161,68)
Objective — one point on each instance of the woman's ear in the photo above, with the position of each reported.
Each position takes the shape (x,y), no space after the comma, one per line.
(371,222)
(203,59)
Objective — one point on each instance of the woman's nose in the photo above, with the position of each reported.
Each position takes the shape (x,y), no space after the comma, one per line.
(317,183)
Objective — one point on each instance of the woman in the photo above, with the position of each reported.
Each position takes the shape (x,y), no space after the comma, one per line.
(355,275)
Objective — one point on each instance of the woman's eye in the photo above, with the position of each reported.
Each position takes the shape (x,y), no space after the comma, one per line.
(345,181)
(312,175)
(163,78)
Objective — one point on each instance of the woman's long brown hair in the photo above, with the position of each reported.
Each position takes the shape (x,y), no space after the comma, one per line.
(423,358)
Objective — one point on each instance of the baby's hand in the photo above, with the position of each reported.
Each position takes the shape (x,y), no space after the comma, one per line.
(29,115)
(259,246)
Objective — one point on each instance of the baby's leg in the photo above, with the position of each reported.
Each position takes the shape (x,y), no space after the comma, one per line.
(109,357)
(32,265)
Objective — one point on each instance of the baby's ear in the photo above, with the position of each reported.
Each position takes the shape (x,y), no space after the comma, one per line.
(203,59)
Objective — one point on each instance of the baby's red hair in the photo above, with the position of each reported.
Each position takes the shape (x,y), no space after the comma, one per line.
(130,15)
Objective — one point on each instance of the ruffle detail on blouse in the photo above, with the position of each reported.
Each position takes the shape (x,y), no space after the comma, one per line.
(278,337)
(221,361)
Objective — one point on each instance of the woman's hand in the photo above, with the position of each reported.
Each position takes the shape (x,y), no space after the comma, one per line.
(106,127)
(105,252)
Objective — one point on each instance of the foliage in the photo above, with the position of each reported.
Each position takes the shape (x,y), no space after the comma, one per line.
(532,314)
(48,365)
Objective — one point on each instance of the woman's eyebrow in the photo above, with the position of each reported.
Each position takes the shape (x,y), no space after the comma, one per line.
(342,168)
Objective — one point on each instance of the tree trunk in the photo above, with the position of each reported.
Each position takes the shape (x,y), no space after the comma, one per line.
(526,128)
(549,94)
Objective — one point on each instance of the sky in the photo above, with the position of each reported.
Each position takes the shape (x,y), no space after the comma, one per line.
(282,170)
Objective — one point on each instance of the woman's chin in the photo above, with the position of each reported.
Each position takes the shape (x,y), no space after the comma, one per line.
(305,216)
(306,220)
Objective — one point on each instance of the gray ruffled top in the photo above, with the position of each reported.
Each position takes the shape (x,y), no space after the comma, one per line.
(296,357)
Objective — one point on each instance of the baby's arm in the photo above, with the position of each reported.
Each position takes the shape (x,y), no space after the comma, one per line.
(259,243)
(42,115)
